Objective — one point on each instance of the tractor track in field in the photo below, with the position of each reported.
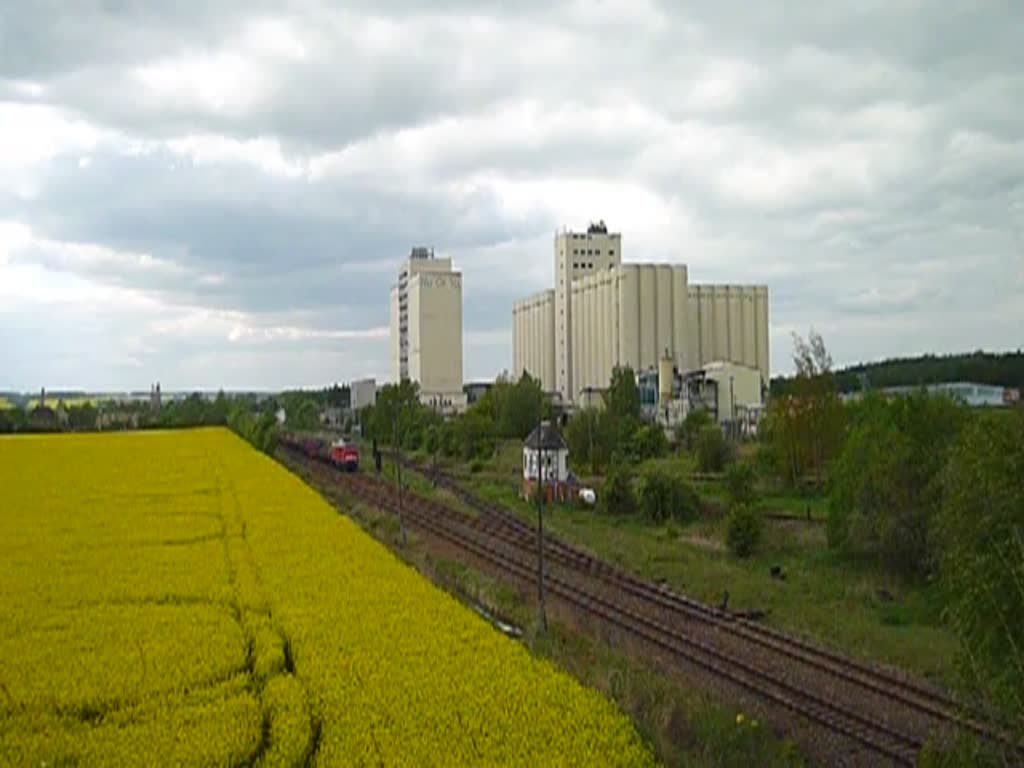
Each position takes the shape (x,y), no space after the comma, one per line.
(852,712)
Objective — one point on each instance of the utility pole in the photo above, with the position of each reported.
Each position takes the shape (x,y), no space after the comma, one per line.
(542,618)
(398,472)
(590,433)
(732,411)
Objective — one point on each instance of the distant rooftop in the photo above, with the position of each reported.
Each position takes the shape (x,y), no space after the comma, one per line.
(421,252)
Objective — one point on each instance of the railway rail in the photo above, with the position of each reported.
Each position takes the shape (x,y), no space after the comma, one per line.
(804,683)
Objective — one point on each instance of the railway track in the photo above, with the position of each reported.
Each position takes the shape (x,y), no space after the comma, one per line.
(877,679)
(880,711)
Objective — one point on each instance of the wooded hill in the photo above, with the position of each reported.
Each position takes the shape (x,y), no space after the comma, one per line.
(1003,369)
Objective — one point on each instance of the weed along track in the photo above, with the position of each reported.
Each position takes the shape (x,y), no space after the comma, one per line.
(849,709)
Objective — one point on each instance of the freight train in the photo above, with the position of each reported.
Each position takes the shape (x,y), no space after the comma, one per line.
(342,452)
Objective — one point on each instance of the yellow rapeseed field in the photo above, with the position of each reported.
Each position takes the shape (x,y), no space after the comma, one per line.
(179,599)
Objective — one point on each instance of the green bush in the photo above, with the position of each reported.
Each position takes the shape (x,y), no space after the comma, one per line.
(885,488)
(618,497)
(743,535)
(739,483)
(476,466)
(979,537)
(713,451)
(665,496)
(694,423)
(649,442)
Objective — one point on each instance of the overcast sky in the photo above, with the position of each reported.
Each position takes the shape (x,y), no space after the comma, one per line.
(219,194)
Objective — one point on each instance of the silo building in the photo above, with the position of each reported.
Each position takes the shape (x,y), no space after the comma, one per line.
(602,313)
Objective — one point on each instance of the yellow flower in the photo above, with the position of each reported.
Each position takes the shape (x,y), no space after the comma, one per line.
(201,594)
(740,718)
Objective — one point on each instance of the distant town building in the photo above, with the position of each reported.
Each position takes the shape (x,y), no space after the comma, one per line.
(969,393)
(364,393)
(332,417)
(42,417)
(155,399)
(426,329)
(602,313)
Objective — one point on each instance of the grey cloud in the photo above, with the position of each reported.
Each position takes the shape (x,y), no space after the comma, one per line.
(864,159)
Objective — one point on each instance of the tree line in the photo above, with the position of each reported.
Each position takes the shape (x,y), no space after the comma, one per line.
(998,369)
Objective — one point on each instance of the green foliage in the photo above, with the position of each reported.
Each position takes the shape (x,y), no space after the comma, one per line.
(979,533)
(1006,369)
(475,435)
(666,496)
(82,417)
(622,409)
(259,428)
(694,423)
(589,439)
(618,496)
(304,416)
(596,436)
(740,481)
(713,451)
(885,486)
(805,423)
(339,396)
(649,442)
(744,528)
(514,407)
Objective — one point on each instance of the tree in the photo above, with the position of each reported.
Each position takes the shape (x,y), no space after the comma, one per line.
(589,440)
(980,543)
(805,424)
(622,407)
(713,451)
(304,416)
(82,417)
(744,527)
(885,486)
(740,483)
(695,421)
(618,496)
(398,408)
(475,434)
(649,442)
(666,496)
(339,396)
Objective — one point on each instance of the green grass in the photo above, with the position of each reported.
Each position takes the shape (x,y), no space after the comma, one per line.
(823,596)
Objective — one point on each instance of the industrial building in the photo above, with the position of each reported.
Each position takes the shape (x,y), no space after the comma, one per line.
(972,394)
(426,329)
(603,313)
(363,393)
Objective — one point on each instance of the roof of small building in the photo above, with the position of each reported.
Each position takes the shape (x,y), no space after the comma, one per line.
(546,437)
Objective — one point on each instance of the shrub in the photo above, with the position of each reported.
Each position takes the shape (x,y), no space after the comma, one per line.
(885,487)
(476,466)
(694,423)
(744,530)
(618,497)
(739,483)
(713,452)
(649,442)
(979,537)
(665,496)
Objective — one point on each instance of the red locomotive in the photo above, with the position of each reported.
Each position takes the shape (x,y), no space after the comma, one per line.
(345,455)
